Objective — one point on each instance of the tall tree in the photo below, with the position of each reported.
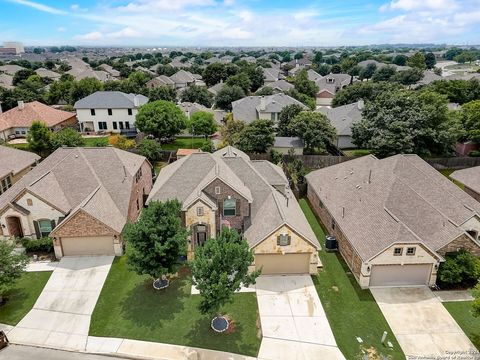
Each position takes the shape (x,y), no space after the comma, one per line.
(385,73)
(156,240)
(315,130)
(368,71)
(231,130)
(39,138)
(417,60)
(470,119)
(197,94)
(220,267)
(67,137)
(242,80)
(430,60)
(305,86)
(227,95)
(84,87)
(22,75)
(162,93)
(476,301)
(12,266)
(202,123)
(257,137)
(286,116)
(409,76)
(162,119)
(151,149)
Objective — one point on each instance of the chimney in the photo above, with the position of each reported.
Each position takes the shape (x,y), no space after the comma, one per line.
(21,105)
(136,101)
(262,103)
(360,104)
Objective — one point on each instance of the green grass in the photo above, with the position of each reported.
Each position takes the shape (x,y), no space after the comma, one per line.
(461,312)
(158,166)
(447,172)
(129,307)
(351,311)
(22,297)
(184,143)
(96,141)
(20,146)
(357,152)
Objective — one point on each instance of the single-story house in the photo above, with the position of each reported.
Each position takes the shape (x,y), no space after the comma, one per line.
(328,87)
(10,69)
(227,189)
(470,178)
(183,79)
(16,122)
(14,164)
(161,80)
(342,118)
(284,144)
(251,108)
(109,69)
(395,218)
(80,197)
(279,86)
(46,73)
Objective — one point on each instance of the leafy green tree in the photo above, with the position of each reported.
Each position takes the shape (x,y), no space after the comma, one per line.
(22,75)
(417,60)
(242,80)
(285,117)
(256,137)
(216,72)
(385,73)
(255,74)
(459,267)
(470,119)
(84,87)
(315,130)
(162,119)
(231,130)
(464,57)
(59,91)
(33,83)
(368,71)
(430,60)
(151,149)
(197,94)
(67,137)
(220,267)
(476,301)
(400,60)
(227,95)
(12,267)
(336,69)
(303,98)
(265,91)
(363,90)
(156,240)
(305,86)
(459,91)
(202,123)
(409,76)
(162,93)
(323,69)
(10,98)
(39,138)
(451,53)
(405,121)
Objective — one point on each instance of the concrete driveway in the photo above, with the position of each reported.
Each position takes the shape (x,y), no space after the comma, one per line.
(422,326)
(61,316)
(294,325)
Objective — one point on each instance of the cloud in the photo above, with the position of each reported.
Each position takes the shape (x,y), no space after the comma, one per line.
(41,7)
(91,36)
(409,5)
(124,33)
(61,29)
(76,8)
(164,5)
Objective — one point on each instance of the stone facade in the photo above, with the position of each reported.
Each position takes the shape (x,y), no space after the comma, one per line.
(462,242)
(191,219)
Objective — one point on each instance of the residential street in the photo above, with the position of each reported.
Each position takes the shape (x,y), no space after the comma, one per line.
(17,352)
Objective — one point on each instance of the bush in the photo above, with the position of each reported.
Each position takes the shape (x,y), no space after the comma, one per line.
(151,149)
(276,156)
(44,245)
(121,142)
(460,267)
(475,153)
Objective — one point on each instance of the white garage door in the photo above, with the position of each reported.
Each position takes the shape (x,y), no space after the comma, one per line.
(399,275)
(282,264)
(100,245)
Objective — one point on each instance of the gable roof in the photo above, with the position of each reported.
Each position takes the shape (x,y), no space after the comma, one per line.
(110,100)
(96,180)
(257,181)
(33,111)
(343,117)
(13,160)
(469,177)
(280,85)
(10,69)
(183,77)
(271,74)
(46,73)
(6,81)
(377,203)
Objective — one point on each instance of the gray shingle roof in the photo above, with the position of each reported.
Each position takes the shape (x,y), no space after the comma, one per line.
(406,200)
(468,177)
(343,117)
(97,180)
(13,160)
(280,85)
(110,100)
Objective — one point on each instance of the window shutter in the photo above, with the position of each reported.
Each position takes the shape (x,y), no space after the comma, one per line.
(37,229)
(278,239)
(289,239)
(53,224)
(60,219)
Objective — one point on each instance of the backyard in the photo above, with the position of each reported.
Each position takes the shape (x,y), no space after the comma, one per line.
(184,143)
(351,311)
(461,312)
(22,297)
(129,307)
(447,172)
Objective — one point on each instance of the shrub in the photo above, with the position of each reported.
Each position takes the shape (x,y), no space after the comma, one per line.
(151,149)
(121,142)
(475,153)
(276,156)
(460,267)
(44,245)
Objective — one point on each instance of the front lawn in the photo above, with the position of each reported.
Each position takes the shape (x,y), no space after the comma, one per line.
(129,307)
(351,311)
(461,312)
(184,143)
(22,297)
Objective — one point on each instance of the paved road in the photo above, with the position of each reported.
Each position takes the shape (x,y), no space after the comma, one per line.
(17,352)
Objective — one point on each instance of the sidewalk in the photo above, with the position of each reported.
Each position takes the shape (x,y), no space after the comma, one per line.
(453,295)
(41,266)
(6,328)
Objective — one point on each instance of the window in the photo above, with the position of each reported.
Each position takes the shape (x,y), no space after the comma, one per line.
(411,251)
(102,125)
(284,239)
(127,125)
(200,211)
(114,125)
(17,132)
(5,184)
(229,207)
(29,202)
(45,227)
(333,224)
(120,123)
(92,112)
(110,112)
(397,251)
(23,132)
(217,190)
(130,112)
(272,116)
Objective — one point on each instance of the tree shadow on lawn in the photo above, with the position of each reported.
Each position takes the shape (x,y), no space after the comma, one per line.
(13,308)
(146,307)
(362,294)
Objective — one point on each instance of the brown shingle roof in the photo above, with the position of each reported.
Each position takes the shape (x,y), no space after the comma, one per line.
(33,111)
(14,160)
(468,177)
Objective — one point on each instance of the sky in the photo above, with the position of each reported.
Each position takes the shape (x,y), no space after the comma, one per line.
(239,22)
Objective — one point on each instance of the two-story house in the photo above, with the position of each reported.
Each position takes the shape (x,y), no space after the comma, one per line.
(227,189)
(80,197)
(109,111)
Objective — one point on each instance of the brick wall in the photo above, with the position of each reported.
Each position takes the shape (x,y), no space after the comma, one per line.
(243,207)
(462,242)
(82,224)
(143,186)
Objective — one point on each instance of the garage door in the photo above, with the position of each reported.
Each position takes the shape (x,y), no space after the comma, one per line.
(100,245)
(398,275)
(283,264)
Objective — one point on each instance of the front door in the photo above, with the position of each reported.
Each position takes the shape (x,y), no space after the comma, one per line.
(200,235)
(14,226)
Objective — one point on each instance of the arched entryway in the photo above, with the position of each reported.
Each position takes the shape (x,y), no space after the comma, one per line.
(14,226)
(201,232)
